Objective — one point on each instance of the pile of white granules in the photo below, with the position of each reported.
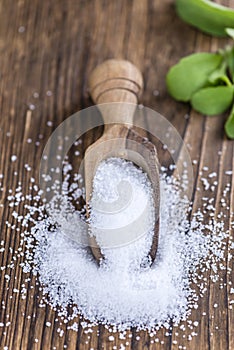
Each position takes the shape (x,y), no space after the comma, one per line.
(125,290)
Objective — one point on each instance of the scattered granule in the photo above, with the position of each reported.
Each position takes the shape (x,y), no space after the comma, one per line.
(156,93)
(21,29)
(13,158)
(32,107)
(205,183)
(36,94)
(213,174)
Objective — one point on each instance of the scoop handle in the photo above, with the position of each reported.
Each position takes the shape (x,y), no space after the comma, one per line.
(116,81)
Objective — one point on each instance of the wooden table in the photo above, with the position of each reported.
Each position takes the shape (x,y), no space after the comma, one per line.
(49,48)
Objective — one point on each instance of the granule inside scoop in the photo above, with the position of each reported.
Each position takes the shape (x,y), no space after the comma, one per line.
(122,212)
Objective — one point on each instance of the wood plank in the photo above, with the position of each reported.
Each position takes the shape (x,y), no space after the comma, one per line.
(50,48)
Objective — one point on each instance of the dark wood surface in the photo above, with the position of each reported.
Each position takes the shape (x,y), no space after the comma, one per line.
(52,46)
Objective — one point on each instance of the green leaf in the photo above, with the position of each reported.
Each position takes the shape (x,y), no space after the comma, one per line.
(230,32)
(229,125)
(220,76)
(213,100)
(230,62)
(208,16)
(228,59)
(191,74)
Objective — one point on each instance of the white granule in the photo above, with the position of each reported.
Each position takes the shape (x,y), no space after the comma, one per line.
(156,93)
(21,29)
(32,106)
(13,158)
(213,174)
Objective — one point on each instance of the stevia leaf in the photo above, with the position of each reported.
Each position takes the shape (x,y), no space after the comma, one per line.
(191,74)
(229,125)
(213,100)
(230,62)
(207,15)
(228,59)
(218,76)
(230,32)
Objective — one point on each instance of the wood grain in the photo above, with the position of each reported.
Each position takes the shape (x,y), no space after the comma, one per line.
(50,47)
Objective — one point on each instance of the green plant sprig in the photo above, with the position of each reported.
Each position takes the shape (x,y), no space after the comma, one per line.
(206,15)
(206,80)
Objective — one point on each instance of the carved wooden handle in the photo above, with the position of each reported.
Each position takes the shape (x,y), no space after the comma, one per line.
(116,81)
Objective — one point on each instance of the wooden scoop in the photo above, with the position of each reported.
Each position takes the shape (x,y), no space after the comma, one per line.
(120,81)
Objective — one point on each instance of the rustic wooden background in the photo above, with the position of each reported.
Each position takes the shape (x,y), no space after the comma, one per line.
(49,47)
